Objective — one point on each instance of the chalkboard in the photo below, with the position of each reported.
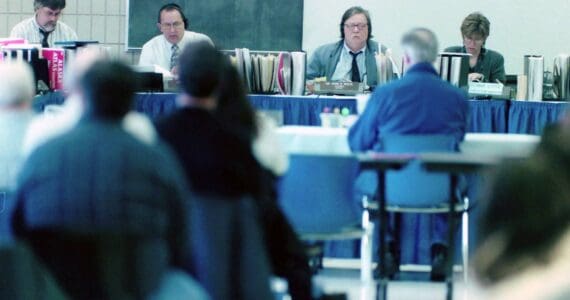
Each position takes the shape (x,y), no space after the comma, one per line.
(255,24)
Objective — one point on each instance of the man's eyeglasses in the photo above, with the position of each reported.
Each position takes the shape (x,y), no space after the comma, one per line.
(175,25)
(360,26)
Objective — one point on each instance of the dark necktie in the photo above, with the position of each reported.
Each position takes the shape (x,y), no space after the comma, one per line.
(174,56)
(355,72)
(45,35)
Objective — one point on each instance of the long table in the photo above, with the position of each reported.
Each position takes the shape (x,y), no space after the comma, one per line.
(490,116)
(415,236)
(320,140)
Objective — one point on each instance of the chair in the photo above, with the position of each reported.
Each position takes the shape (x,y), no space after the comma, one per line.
(317,195)
(229,257)
(414,190)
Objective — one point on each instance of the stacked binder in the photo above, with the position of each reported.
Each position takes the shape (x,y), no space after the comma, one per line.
(266,72)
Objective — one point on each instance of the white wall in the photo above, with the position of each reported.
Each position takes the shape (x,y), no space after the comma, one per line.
(518,27)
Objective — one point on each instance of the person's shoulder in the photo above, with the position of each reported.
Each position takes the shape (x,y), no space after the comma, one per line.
(493,53)
(191,36)
(22,26)
(24,22)
(328,47)
(153,41)
(64,27)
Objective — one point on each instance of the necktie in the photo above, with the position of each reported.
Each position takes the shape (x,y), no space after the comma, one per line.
(45,35)
(355,72)
(174,56)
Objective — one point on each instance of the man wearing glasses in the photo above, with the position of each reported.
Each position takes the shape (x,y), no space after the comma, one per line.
(163,50)
(353,57)
(485,65)
(43,28)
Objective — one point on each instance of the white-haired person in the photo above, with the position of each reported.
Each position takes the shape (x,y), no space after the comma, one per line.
(16,92)
(57,121)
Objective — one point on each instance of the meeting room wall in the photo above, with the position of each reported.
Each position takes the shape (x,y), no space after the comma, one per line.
(518,27)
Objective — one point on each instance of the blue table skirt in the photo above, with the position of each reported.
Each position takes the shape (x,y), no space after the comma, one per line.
(488,116)
(531,117)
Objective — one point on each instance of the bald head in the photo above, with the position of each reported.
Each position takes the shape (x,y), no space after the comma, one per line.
(17,86)
(420,45)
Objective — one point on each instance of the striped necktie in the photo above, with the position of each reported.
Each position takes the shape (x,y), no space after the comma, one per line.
(174,56)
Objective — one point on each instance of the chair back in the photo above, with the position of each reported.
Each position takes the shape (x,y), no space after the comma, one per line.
(229,257)
(316,194)
(413,186)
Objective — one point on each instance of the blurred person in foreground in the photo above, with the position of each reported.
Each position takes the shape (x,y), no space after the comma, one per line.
(485,65)
(419,103)
(16,92)
(524,227)
(230,258)
(97,178)
(44,27)
(63,117)
(286,252)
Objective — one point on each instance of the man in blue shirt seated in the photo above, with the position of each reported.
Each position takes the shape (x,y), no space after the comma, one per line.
(419,103)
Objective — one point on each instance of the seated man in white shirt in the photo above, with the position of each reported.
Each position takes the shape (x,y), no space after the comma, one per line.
(44,27)
(163,50)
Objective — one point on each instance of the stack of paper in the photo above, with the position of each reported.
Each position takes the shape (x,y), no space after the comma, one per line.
(299,61)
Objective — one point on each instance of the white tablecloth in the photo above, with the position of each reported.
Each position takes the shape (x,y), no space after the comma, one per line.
(322,140)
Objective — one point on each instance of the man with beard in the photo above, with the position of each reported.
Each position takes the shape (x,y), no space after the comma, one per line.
(44,28)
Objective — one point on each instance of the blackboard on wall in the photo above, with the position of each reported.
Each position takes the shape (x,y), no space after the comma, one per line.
(255,24)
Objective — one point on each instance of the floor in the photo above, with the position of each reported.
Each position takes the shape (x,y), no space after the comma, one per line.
(409,285)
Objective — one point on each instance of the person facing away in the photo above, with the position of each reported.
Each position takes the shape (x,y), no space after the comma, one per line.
(163,50)
(44,27)
(225,177)
(524,226)
(419,103)
(353,57)
(16,92)
(286,252)
(98,178)
(485,65)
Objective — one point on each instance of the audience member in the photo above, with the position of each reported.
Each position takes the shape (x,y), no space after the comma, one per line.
(224,174)
(52,124)
(485,65)
(44,27)
(353,57)
(16,93)
(96,178)
(163,50)
(419,103)
(285,250)
(524,226)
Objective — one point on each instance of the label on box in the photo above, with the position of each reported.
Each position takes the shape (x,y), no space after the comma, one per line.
(56,64)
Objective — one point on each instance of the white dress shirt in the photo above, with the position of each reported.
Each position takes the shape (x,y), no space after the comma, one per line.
(30,30)
(158,50)
(343,71)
